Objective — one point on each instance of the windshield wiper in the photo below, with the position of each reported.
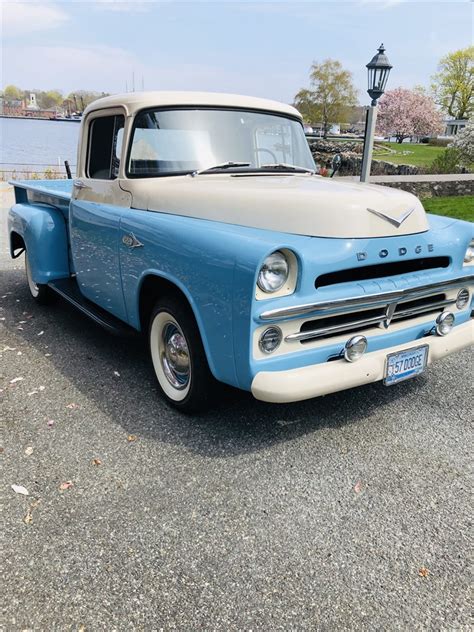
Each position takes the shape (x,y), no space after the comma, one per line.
(282,166)
(223,165)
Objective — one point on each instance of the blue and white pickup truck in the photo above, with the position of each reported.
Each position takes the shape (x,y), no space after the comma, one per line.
(197,219)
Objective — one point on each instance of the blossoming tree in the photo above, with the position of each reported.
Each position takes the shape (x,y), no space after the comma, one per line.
(404,113)
(464,142)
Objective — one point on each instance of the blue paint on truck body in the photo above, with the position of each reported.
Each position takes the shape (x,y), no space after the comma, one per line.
(215,265)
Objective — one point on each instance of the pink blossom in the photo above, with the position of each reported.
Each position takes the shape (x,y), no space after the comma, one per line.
(404,113)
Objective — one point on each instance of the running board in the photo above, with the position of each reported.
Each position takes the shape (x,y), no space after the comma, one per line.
(69,290)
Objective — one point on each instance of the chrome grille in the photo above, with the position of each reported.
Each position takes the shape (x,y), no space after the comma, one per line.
(330,318)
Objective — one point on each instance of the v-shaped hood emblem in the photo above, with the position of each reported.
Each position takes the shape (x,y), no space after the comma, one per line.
(393,220)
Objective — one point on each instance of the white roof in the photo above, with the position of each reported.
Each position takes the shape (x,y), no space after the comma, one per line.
(134,101)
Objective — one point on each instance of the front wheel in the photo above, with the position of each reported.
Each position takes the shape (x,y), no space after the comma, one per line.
(178,356)
(42,294)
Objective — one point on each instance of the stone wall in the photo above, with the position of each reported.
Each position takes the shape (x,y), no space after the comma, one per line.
(351,158)
(431,188)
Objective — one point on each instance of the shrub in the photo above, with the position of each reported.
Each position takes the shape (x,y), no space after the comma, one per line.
(439,142)
(49,174)
(447,162)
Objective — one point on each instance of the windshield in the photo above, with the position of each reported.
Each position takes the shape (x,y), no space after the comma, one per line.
(166,142)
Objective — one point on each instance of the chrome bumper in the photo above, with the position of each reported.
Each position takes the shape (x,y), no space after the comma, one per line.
(321,379)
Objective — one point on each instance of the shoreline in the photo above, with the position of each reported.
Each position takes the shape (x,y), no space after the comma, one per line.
(40,118)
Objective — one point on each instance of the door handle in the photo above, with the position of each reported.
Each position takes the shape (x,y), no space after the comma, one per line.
(79,184)
(131,241)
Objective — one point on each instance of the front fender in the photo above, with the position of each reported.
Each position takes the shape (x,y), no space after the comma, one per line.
(214,265)
(43,229)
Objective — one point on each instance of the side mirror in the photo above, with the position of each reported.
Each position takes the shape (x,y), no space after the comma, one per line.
(336,164)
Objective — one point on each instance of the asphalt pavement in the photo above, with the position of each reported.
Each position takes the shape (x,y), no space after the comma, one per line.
(349,512)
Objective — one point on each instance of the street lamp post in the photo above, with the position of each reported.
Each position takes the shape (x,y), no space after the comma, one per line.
(378,70)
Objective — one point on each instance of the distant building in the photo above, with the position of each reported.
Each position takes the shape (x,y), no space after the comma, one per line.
(11,107)
(32,105)
(454,126)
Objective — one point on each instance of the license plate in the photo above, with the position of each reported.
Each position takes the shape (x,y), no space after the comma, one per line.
(405,364)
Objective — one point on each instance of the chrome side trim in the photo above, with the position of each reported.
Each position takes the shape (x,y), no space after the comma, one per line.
(368,300)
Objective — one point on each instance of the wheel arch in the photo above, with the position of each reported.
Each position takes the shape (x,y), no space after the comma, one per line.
(17,242)
(155,284)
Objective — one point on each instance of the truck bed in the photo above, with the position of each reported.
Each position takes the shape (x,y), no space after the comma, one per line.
(59,189)
(56,193)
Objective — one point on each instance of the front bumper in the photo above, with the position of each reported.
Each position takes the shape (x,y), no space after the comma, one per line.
(321,379)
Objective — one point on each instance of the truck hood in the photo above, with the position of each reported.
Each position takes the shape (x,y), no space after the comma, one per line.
(298,204)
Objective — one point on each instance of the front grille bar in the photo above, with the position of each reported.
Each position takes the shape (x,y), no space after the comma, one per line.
(423,309)
(335,329)
(342,305)
(382,320)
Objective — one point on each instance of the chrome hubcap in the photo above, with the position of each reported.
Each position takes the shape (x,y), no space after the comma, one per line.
(175,356)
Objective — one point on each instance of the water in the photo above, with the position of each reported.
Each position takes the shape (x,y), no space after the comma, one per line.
(34,145)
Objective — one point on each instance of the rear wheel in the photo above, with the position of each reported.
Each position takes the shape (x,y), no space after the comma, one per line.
(178,356)
(42,294)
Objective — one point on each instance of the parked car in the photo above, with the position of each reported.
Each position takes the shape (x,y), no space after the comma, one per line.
(197,220)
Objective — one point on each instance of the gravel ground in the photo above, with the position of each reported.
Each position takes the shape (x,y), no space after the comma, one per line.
(351,512)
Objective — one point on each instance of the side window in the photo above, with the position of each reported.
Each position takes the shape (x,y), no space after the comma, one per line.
(105,143)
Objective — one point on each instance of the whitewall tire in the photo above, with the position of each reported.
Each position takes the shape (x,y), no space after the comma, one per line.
(40,293)
(178,356)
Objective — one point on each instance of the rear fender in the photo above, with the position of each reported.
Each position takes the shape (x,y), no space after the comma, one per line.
(43,231)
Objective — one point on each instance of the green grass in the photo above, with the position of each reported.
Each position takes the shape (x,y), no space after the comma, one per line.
(420,155)
(460,207)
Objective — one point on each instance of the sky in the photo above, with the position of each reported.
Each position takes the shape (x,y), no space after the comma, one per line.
(256,48)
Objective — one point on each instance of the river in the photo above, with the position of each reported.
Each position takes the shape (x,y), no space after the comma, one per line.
(33,145)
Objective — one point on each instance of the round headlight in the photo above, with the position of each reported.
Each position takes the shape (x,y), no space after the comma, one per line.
(355,348)
(270,339)
(444,323)
(462,298)
(274,273)
(469,256)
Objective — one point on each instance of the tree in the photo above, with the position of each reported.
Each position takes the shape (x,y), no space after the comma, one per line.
(404,113)
(453,84)
(12,93)
(49,99)
(82,98)
(464,143)
(330,96)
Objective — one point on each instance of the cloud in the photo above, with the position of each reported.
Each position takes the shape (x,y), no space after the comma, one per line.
(383,4)
(124,6)
(75,67)
(20,18)
(107,69)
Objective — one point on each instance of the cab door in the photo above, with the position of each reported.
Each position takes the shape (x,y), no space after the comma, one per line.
(96,208)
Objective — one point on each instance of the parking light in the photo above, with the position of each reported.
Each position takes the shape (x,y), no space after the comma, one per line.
(462,298)
(270,339)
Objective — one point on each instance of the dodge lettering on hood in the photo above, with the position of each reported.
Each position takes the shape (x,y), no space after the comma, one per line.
(198,219)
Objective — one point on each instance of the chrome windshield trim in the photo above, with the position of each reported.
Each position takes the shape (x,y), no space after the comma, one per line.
(367,300)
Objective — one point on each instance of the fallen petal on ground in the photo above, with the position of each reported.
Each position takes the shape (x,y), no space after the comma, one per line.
(19,489)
